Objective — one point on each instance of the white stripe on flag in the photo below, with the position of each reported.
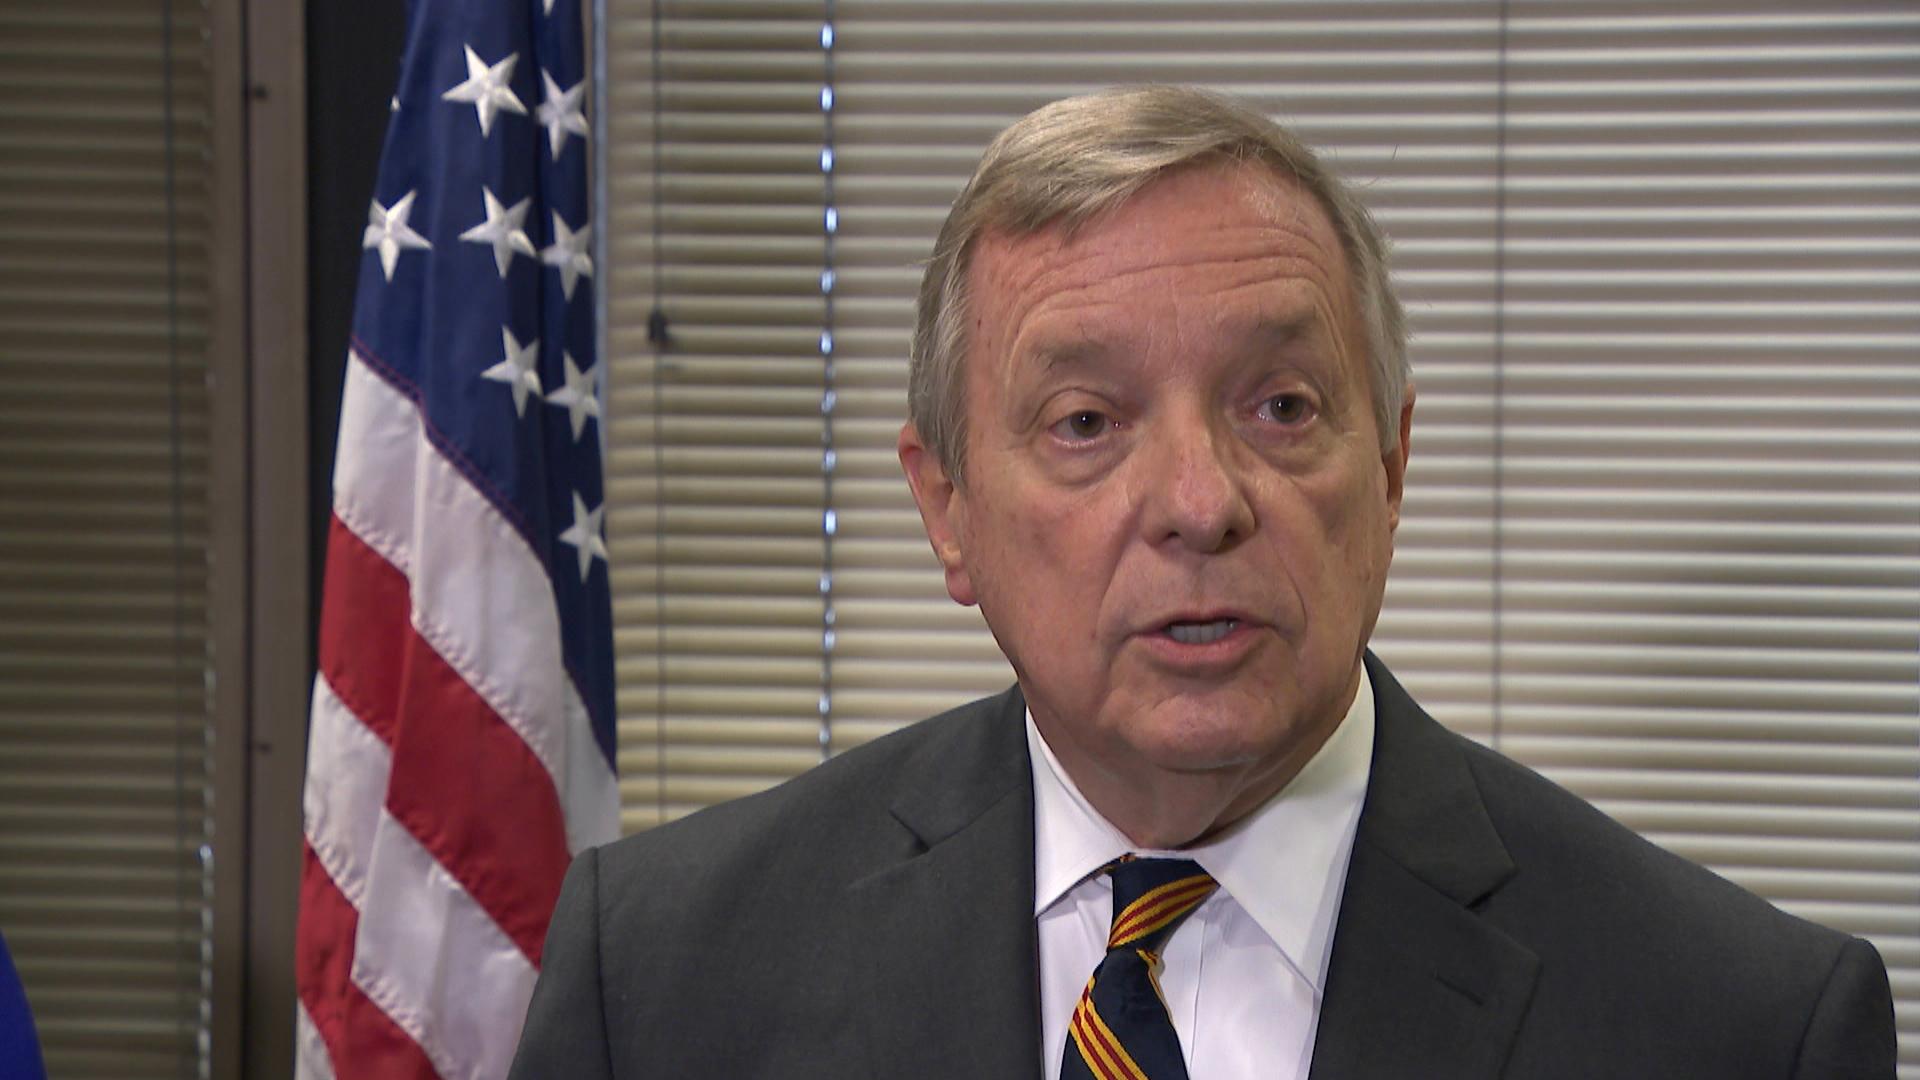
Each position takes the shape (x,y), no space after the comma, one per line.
(434,962)
(347,768)
(373,467)
(310,1060)
(514,664)
(591,798)
(483,601)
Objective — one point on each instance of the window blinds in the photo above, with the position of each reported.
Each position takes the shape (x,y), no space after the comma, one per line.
(1662,533)
(103,529)
(715,468)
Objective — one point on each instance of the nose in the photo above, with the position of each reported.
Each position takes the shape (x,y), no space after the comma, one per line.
(1196,493)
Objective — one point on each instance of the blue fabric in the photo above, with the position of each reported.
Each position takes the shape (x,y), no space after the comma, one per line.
(19,1046)
(1123,993)
(432,325)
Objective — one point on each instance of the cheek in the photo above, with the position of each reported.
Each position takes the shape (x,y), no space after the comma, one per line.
(1068,546)
(1343,518)
(1361,528)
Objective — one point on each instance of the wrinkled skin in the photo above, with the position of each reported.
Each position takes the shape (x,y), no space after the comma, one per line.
(1169,422)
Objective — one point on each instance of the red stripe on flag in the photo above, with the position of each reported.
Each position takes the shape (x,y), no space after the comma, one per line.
(469,789)
(464,783)
(362,1040)
(360,651)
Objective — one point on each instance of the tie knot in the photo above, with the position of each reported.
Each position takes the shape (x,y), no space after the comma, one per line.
(1151,896)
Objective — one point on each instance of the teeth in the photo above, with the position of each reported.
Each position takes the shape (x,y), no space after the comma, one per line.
(1200,633)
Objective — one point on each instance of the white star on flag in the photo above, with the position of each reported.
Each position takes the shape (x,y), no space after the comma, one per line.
(503,229)
(584,534)
(519,369)
(560,113)
(568,253)
(387,230)
(486,89)
(577,395)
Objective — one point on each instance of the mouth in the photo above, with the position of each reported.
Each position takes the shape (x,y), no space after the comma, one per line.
(1201,633)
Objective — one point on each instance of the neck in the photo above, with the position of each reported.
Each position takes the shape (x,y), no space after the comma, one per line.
(1168,810)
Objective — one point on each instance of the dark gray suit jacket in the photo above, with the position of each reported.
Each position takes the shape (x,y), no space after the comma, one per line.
(874,918)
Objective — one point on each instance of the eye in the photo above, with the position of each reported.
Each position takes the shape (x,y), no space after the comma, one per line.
(1083,425)
(1290,409)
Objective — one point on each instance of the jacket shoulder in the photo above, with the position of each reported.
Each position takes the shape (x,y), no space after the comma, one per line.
(1645,964)
(1657,944)
(837,816)
(1564,845)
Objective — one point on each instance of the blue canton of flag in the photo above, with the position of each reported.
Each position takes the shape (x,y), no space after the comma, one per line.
(482,234)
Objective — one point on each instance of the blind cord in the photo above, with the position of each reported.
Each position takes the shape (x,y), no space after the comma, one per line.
(660,337)
(829,519)
(192,907)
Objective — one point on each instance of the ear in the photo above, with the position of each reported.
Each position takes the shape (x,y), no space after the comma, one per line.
(1394,461)
(942,511)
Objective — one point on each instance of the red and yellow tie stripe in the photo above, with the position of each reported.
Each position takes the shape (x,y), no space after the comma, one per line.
(1133,1040)
(1098,1045)
(1158,907)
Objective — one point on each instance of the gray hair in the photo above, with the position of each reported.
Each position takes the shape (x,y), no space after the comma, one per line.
(1069,161)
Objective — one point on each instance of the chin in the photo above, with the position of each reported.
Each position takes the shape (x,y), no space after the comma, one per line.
(1212,740)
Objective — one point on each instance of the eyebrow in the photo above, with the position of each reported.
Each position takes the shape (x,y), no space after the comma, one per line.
(1066,355)
(1281,332)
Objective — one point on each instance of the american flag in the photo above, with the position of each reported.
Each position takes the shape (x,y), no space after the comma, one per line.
(461,739)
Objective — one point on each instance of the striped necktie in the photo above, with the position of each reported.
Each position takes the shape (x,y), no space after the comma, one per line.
(1121,1030)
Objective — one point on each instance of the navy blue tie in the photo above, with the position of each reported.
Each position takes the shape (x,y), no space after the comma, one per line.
(1120,1029)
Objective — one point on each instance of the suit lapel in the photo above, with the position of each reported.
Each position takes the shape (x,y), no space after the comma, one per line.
(947,935)
(1418,985)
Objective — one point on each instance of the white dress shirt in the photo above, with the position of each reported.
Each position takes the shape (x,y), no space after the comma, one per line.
(1244,973)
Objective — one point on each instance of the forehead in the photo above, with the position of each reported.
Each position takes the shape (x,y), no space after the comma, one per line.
(1235,233)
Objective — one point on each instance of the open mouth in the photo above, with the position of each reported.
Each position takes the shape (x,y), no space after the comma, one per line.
(1201,633)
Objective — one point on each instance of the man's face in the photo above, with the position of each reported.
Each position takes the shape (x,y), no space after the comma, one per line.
(1177,518)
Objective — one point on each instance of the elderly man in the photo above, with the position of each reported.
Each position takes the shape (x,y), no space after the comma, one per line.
(1159,431)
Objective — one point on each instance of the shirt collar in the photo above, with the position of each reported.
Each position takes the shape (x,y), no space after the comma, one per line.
(1285,864)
